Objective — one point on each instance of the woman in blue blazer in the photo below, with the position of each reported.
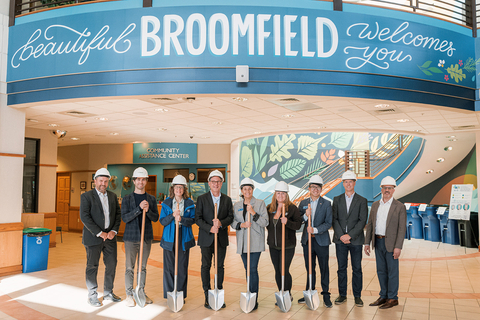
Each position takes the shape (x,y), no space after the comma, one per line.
(185,214)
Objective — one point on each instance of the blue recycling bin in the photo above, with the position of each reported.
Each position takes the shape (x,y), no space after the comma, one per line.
(448,229)
(414,223)
(35,249)
(431,224)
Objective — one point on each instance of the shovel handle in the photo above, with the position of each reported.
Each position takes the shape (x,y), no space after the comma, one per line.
(283,243)
(140,254)
(215,247)
(176,246)
(248,251)
(309,249)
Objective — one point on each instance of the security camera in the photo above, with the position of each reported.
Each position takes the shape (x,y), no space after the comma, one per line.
(191,136)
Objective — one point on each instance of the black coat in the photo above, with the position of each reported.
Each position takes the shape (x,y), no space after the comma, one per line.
(132,215)
(354,220)
(204,214)
(91,214)
(294,222)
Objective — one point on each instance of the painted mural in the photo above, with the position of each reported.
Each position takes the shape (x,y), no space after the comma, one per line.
(294,158)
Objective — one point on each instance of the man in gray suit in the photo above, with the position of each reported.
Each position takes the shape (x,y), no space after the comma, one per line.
(320,211)
(350,211)
(101,216)
(386,231)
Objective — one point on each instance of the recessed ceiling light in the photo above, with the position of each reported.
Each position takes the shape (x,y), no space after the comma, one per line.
(322,127)
(258,132)
(382,105)
(218,122)
(240,99)
(32,120)
(53,125)
(288,116)
(161,110)
(449,148)
(140,113)
(403,120)
(418,130)
(448,137)
(440,159)
(75,139)
(114,133)
(162,129)
(452,140)
(429,171)
(205,137)
(101,118)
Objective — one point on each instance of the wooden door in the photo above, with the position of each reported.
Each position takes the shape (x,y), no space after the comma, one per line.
(151,187)
(63,200)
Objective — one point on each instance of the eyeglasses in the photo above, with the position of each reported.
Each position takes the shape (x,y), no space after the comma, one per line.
(216,181)
(178,187)
(388,188)
(315,188)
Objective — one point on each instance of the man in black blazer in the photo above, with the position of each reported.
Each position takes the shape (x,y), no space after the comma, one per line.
(208,226)
(350,212)
(101,216)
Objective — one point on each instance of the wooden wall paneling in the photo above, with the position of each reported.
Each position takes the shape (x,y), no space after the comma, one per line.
(11,238)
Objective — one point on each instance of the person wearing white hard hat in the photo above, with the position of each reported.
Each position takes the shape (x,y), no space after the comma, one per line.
(256,209)
(209,226)
(177,207)
(100,215)
(292,222)
(385,231)
(350,212)
(320,211)
(132,214)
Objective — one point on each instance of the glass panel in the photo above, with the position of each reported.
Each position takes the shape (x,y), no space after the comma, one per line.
(30,175)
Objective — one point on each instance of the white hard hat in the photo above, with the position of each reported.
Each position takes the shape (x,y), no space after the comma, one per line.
(349,175)
(316,179)
(246,182)
(102,172)
(179,180)
(140,173)
(281,186)
(215,173)
(388,181)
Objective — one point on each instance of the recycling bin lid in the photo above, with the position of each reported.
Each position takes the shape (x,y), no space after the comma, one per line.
(36,231)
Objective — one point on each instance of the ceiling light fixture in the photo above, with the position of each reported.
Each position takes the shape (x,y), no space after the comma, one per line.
(288,116)
(53,125)
(403,120)
(449,148)
(162,129)
(382,106)
(75,138)
(418,130)
(452,140)
(448,137)
(218,122)
(101,118)
(440,159)
(205,137)
(239,99)
(32,120)
(114,133)
(161,110)
(429,171)
(258,132)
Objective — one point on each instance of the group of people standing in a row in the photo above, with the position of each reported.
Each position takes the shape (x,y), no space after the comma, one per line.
(101,214)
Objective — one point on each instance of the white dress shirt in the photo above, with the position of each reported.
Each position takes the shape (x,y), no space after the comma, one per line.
(313,206)
(382,215)
(104,200)
(348,201)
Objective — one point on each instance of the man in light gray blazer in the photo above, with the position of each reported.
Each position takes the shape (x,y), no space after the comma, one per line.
(350,211)
(386,231)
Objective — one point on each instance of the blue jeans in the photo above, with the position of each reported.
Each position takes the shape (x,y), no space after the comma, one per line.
(254,257)
(342,250)
(387,271)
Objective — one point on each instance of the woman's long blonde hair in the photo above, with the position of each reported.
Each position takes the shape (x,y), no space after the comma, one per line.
(272,207)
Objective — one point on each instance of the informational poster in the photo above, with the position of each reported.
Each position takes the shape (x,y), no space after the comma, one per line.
(461,201)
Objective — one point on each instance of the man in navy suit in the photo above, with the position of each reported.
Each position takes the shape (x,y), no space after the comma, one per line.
(208,227)
(101,216)
(350,212)
(320,211)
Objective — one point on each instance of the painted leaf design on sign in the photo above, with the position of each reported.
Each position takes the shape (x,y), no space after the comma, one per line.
(315,168)
(291,168)
(246,162)
(281,147)
(272,170)
(328,156)
(341,139)
(308,146)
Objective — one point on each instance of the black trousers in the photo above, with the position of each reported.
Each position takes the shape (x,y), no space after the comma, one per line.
(109,249)
(276,256)
(207,254)
(169,268)
(320,254)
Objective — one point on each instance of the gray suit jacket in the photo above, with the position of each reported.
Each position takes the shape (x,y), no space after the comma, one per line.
(91,214)
(322,221)
(396,225)
(257,230)
(353,221)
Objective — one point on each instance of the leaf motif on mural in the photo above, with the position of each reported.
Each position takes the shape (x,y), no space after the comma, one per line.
(250,142)
(315,168)
(272,170)
(281,147)
(246,162)
(456,73)
(374,145)
(360,141)
(471,64)
(263,158)
(328,156)
(291,168)
(425,68)
(341,139)
(308,146)
(384,139)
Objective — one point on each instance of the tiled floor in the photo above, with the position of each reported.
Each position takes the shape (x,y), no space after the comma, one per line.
(436,282)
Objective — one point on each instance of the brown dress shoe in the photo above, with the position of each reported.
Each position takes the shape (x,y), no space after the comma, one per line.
(378,302)
(390,303)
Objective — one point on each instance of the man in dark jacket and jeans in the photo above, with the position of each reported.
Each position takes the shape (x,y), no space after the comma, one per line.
(132,212)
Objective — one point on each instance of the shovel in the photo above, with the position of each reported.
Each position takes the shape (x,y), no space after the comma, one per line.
(248,299)
(215,296)
(175,299)
(138,294)
(311,296)
(283,297)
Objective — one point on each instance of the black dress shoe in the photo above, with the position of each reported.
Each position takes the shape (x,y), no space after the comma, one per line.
(340,299)
(256,306)
(390,303)
(112,297)
(378,302)
(94,302)
(224,306)
(206,305)
(327,302)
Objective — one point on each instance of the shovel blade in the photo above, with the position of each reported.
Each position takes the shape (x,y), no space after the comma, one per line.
(216,299)
(139,296)
(175,300)
(283,300)
(311,299)
(247,301)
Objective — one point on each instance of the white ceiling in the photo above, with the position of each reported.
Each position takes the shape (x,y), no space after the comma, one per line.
(220,119)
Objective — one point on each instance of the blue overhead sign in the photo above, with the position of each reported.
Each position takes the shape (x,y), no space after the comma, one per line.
(164,153)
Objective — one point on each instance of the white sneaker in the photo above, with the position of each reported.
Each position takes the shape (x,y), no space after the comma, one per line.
(130,301)
(148,300)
